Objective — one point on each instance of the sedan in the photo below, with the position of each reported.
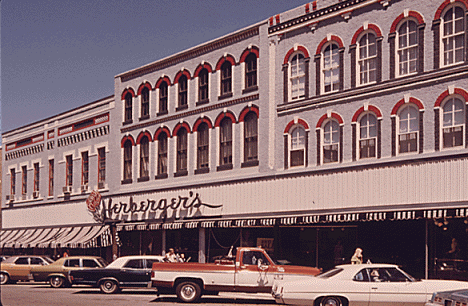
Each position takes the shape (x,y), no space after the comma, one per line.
(449,298)
(361,284)
(56,274)
(126,271)
(18,268)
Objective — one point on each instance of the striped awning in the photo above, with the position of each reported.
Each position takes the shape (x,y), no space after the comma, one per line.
(304,219)
(71,237)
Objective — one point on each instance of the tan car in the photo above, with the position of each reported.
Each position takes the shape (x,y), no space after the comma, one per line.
(18,267)
(56,274)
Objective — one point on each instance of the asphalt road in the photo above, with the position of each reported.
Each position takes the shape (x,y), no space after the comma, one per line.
(40,294)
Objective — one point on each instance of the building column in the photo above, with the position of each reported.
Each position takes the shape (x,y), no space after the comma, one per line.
(201,245)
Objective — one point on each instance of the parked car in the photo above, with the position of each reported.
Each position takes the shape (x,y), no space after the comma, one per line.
(449,298)
(56,274)
(126,271)
(18,268)
(364,284)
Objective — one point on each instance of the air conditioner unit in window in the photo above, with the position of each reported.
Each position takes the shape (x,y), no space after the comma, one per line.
(84,188)
(36,194)
(8,197)
(67,189)
(101,185)
(23,197)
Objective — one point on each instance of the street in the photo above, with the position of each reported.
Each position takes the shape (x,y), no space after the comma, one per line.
(41,294)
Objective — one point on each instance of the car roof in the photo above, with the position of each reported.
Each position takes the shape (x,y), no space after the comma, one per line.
(366,265)
(14,257)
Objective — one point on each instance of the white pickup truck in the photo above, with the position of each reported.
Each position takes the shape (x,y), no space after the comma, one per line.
(250,270)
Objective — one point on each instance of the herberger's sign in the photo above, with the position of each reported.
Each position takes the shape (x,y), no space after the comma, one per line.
(176,207)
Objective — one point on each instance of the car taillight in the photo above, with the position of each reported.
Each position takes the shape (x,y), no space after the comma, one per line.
(153,274)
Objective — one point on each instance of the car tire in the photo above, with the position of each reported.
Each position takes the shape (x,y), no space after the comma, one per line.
(109,286)
(188,292)
(4,278)
(57,282)
(332,301)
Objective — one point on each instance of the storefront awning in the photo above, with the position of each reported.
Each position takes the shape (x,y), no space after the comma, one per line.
(304,219)
(71,237)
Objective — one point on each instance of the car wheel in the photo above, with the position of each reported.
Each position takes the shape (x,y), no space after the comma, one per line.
(188,292)
(57,282)
(331,301)
(109,286)
(4,278)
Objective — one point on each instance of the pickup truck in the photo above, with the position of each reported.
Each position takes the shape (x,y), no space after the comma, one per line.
(250,270)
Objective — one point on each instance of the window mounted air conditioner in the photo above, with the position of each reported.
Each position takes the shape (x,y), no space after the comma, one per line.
(67,189)
(35,194)
(84,188)
(101,185)
(9,197)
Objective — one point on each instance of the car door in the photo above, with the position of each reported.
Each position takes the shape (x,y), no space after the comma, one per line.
(21,268)
(254,273)
(389,286)
(134,272)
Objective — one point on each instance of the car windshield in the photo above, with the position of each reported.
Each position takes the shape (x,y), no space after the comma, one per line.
(330,273)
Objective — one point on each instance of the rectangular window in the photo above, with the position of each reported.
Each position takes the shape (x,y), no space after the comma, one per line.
(127,161)
(183,91)
(24,180)
(330,153)
(69,171)
(51,177)
(101,167)
(367,148)
(297,158)
(182,151)
(145,103)
(453,136)
(226,143)
(162,154)
(203,147)
(226,78)
(251,136)
(84,168)
(163,97)
(408,142)
(13,181)
(203,85)
(251,71)
(36,177)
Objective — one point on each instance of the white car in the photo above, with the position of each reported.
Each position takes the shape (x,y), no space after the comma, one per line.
(364,284)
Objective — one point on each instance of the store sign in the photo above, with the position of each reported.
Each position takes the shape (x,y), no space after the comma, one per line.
(138,208)
(92,203)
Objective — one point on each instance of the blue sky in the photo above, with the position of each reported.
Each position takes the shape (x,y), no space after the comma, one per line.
(60,54)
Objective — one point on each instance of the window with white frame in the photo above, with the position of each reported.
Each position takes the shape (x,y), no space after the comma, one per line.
(250,137)
(330,68)
(226,78)
(203,142)
(69,170)
(453,123)
(251,71)
(297,147)
(203,85)
(183,91)
(331,141)
(145,102)
(453,36)
(182,145)
(24,180)
(408,129)
(367,59)
(144,157)
(407,48)
(127,169)
(163,96)
(162,154)
(101,166)
(367,135)
(36,177)
(297,76)
(51,177)
(225,145)
(128,107)
(12,181)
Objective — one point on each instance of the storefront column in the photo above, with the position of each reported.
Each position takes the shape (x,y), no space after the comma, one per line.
(163,242)
(201,245)
(426,259)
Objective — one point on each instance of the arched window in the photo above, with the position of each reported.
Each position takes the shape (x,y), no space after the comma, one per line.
(226,78)
(297,146)
(251,71)
(453,36)
(225,144)
(408,129)
(127,174)
(407,48)
(183,89)
(182,150)
(145,103)
(144,157)
(297,76)
(331,141)
(162,154)
(331,68)
(250,137)
(453,123)
(203,85)
(128,107)
(203,146)
(367,58)
(367,135)
(163,97)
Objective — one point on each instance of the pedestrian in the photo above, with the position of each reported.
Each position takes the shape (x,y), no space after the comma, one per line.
(357,257)
(171,256)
